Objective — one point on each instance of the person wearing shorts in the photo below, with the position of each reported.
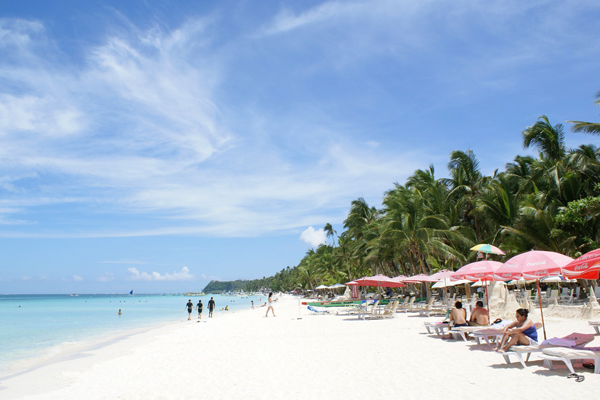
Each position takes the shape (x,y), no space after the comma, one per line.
(521,332)
(190,307)
(211,307)
(200,306)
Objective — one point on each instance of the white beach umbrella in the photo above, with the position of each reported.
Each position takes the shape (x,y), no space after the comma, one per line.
(442,283)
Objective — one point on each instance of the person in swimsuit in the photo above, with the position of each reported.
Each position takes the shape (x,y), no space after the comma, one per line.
(200,306)
(211,307)
(190,307)
(480,316)
(458,315)
(522,331)
(270,303)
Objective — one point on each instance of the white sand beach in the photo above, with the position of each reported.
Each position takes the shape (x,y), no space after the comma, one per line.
(247,356)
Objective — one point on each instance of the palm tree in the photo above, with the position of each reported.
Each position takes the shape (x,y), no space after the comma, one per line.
(587,127)
(548,139)
(330,233)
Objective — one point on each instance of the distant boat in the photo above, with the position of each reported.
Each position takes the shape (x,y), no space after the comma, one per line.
(131,293)
(74,295)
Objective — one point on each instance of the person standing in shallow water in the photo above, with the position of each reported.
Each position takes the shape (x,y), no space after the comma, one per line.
(200,306)
(270,304)
(211,307)
(190,307)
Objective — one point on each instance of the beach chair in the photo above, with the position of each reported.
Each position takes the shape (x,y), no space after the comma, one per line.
(408,305)
(437,327)
(369,311)
(388,312)
(462,331)
(553,298)
(572,340)
(568,355)
(316,311)
(595,325)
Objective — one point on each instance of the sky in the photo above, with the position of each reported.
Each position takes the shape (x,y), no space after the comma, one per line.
(155,145)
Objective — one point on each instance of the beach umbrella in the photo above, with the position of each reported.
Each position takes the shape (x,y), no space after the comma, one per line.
(445,282)
(482,271)
(416,278)
(379,281)
(478,271)
(437,276)
(534,264)
(399,278)
(584,267)
(487,249)
(337,286)
(352,283)
(322,287)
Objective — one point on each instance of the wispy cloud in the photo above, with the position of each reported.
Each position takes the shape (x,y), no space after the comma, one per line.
(77,278)
(106,277)
(182,275)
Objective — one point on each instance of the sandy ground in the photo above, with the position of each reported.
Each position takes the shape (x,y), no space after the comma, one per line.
(245,355)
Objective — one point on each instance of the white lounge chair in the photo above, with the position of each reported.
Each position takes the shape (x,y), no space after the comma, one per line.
(388,312)
(568,355)
(369,310)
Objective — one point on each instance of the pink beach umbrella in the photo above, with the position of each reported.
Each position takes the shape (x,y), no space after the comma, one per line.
(443,274)
(584,267)
(416,278)
(478,271)
(534,264)
(379,281)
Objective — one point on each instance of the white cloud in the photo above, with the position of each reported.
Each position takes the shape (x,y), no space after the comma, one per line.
(77,278)
(313,238)
(183,275)
(107,277)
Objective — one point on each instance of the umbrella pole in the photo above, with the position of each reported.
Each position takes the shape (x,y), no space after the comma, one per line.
(541,311)
(487,300)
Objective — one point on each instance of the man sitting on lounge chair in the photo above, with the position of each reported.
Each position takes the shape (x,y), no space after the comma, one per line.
(479,316)
(458,315)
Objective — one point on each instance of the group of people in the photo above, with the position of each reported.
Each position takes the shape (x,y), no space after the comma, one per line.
(520,332)
(211,306)
(200,307)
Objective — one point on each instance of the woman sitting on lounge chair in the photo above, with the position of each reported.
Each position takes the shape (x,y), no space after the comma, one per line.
(522,331)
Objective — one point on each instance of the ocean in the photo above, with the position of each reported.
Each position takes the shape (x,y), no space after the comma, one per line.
(35,327)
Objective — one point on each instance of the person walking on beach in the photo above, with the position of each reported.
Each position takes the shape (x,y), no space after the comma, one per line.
(270,303)
(190,307)
(211,307)
(200,306)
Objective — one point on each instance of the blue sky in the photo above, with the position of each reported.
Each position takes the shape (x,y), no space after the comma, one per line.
(155,145)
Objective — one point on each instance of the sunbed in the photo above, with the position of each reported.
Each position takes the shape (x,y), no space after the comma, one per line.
(567,355)
(369,311)
(463,331)
(596,325)
(570,341)
(314,310)
(388,312)
(437,327)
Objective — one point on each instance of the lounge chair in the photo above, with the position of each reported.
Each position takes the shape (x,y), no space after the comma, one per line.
(462,331)
(315,311)
(437,327)
(573,340)
(568,355)
(596,325)
(408,305)
(369,311)
(388,312)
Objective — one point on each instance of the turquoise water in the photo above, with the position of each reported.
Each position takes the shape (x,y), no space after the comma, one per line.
(34,326)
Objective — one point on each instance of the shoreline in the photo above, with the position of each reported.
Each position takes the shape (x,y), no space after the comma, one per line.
(295,356)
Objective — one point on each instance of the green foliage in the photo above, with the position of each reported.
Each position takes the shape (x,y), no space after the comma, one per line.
(546,203)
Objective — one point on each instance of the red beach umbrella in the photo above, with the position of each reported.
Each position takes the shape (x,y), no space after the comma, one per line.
(584,267)
(534,264)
